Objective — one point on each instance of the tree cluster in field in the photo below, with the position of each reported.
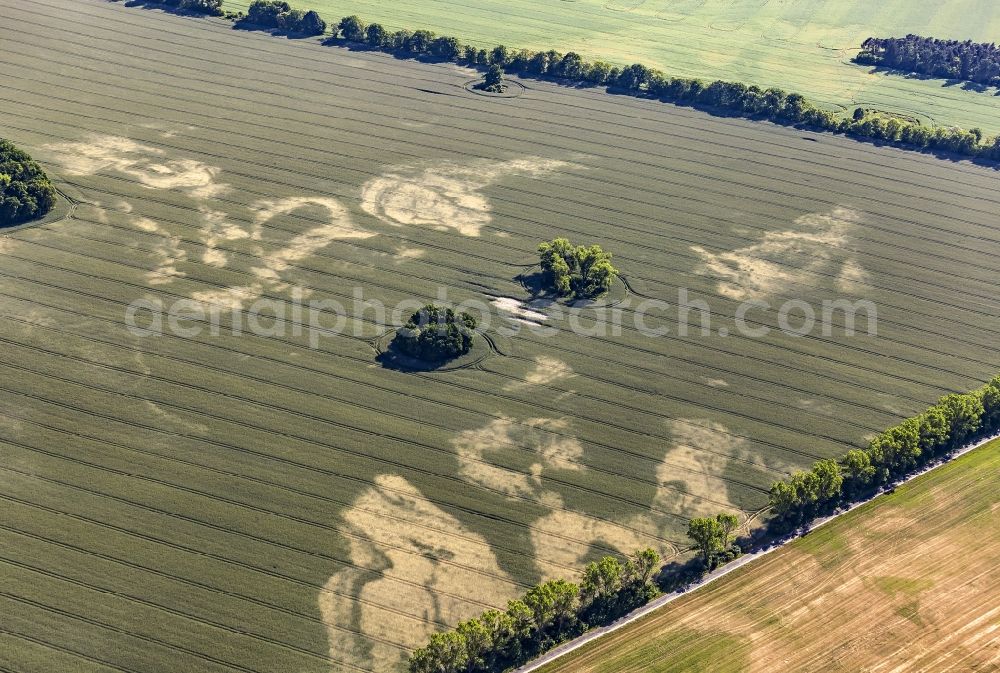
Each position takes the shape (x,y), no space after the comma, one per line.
(25,191)
(948,59)
(278,15)
(435,334)
(578,271)
(548,614)
(946,426)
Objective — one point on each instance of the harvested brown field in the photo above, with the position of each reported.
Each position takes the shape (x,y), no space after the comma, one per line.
(908,582)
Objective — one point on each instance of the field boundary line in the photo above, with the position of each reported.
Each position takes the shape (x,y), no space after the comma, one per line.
(744,560)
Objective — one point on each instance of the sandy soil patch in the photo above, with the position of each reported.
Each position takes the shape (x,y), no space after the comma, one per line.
(548,536)
(272,265)
(445,196)
(518,310)
(216,229)
(385,608)
(168,252)
(814,245)
(150,166)
(687,462)
(476,448)
(547,370)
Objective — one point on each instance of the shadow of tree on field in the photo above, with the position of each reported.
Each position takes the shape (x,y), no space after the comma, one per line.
(170,9)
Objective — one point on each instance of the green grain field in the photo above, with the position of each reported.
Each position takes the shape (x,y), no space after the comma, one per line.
(799,45)
(245,502)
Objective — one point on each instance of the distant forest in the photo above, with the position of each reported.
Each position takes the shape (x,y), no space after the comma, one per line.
(948,59)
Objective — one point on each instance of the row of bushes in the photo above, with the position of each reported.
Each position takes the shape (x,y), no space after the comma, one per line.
(950,59)
(548,614)
(893,454)
(732,97)
(25,191)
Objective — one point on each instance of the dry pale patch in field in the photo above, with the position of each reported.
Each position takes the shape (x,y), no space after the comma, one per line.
(150,166)
(813,246)
(697,459)
(518,311)
(563,538)
(549,536)
(167,251)
(547,370)
(445,195)
(216,229)
(550,450)
(397,531)
(338,226)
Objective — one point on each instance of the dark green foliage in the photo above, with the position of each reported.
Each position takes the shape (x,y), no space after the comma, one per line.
(731,97)
(494,79)
(25,191)
(446,48)
(891,455)
(311,24)
(375,35)
(266,13)
(582,272)
(353,29)
(948,59)
(714,537)
(278,15)
(434,334)
(548,614)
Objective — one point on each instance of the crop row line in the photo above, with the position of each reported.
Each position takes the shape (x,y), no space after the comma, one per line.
(260,540)
(652,352)
(380,112)
(275,51)
(523,448)
(120,281)
(303,326)
(78,434)
(428,380)
(408,287)
(200,586)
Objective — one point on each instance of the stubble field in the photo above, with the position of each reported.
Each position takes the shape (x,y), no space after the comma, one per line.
(246,502)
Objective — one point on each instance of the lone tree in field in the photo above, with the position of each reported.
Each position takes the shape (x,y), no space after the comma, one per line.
(583,272)
(494,79)
(25,191)
(436,334)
